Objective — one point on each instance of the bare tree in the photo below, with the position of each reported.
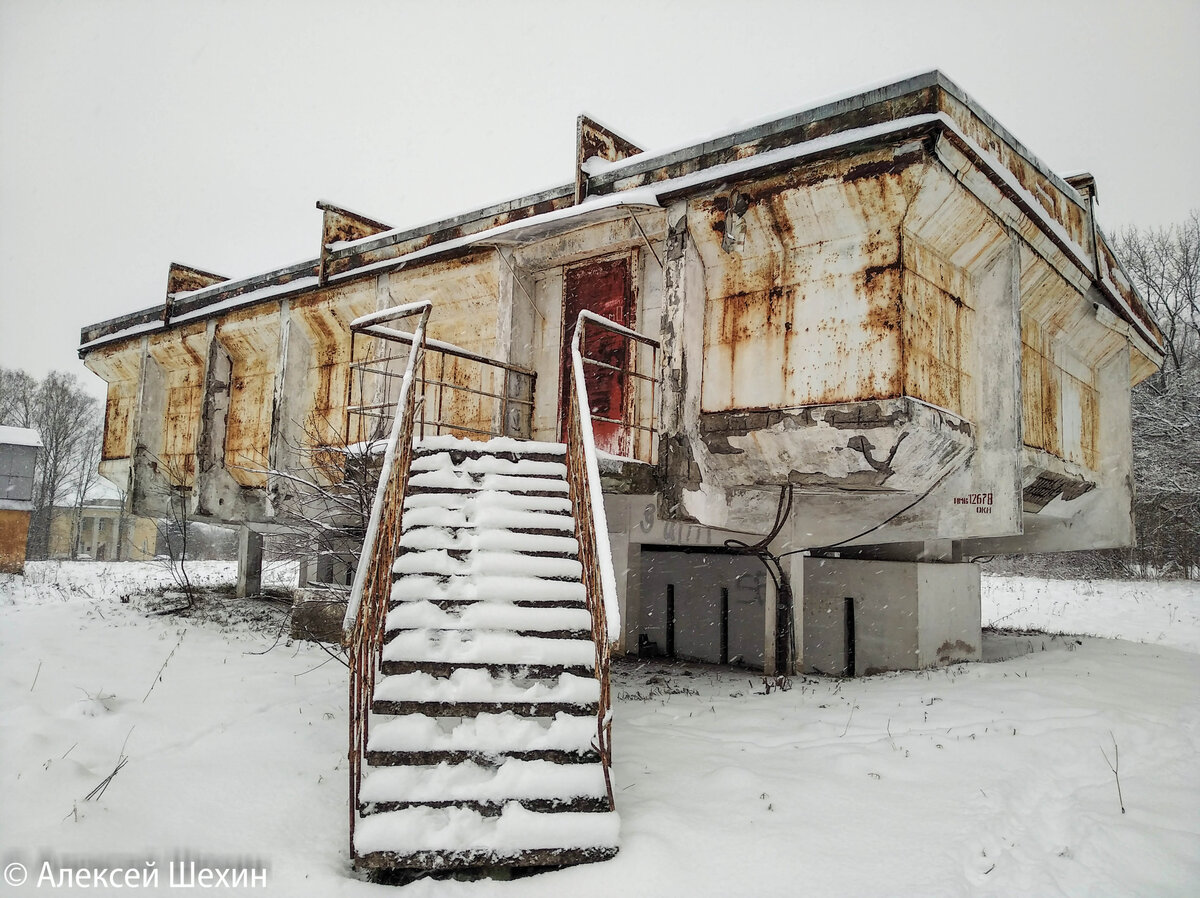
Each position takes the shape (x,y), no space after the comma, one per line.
(85,481)
(65,417)
(17,392)
(325,496)
(1164,264)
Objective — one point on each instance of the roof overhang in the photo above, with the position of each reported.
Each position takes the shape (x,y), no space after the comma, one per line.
(644,182)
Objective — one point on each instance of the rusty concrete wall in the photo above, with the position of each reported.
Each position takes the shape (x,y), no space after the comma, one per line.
(1062,349)
(957,308)
(465,293)
(319,349)
(937,324)
(870,280)
(1066,209)
(897,314)
(120,366)
(14,533)
(802,272)
(180,356)
(251,337)
(225,400)
(1064,206)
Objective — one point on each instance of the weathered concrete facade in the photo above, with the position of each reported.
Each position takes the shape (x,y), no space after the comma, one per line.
(885,308)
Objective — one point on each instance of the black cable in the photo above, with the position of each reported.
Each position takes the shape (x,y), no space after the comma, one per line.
(883,523)
(783,588)
(773,563)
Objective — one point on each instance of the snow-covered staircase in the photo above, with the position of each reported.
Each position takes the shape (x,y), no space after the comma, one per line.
(483,734)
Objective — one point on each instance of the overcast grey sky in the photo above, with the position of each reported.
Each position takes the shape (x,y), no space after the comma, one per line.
(137,133)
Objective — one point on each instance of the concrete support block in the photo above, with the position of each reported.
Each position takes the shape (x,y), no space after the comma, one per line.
(863,617)
(250,555)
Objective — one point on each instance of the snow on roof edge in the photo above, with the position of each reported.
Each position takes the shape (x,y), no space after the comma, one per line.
(648,195)
(19,436)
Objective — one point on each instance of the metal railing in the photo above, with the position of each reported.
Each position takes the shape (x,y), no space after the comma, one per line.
(484,398)
(591,527)
(636,433)
(371,592)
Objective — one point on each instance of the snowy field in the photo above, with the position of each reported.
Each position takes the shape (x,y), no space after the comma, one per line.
(979,779)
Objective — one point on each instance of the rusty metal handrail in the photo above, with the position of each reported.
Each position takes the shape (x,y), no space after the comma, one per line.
(630,415)
(367,611)
(591,532)
(432,417)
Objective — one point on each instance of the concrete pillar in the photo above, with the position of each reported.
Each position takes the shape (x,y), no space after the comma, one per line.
(250,552)
(631,608)
(791,539)
(619,544)
(770,608)
(793,566)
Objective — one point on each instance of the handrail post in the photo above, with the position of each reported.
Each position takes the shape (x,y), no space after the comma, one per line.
(591,526)
(366,611)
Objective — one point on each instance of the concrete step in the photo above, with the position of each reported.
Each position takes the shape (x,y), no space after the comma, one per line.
(416,838)
(481,565)
(517,589)
(446,668)
(489,808)
(406,739)
(486,647)
(485,615)
(490,783)
(488,689)
(480,859)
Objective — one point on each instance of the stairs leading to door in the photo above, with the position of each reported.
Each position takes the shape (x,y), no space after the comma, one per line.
(482,749)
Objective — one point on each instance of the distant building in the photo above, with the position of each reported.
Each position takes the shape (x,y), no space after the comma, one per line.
(18,456)
(102,531)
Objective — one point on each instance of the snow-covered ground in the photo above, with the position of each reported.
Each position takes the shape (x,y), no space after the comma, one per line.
(979,779)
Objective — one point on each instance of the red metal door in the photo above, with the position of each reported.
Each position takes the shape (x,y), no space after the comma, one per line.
(603,287)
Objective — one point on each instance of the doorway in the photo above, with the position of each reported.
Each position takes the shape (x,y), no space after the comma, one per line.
(603,286)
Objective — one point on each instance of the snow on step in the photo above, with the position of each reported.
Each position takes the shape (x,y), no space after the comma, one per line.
(487,616)
(490,499)
(485,733)
(461,480)
(438,561)
(490,511)
(514,830)
(463,568)
(470,685)
(496,589)
(463,538)
(488,647)
(506,518)
(516,519)
(510,445)
(469,781)
(490,464)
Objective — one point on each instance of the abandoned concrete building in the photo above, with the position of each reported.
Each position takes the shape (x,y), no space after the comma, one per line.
(828,361)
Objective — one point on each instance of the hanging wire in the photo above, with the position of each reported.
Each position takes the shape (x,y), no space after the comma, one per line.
(785,630)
